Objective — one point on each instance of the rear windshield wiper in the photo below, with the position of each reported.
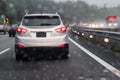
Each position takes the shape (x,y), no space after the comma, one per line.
(46,24)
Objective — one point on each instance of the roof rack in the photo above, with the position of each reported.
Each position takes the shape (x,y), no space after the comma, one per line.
(57,13)
(26,12)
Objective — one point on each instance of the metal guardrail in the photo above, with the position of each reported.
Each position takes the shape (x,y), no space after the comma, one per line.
(110,34)
(109,38)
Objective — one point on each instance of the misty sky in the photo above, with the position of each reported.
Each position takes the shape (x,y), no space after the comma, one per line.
(109,3)
(100,3)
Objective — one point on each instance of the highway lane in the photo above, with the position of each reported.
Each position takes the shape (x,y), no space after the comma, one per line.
(79,66)
(5,42)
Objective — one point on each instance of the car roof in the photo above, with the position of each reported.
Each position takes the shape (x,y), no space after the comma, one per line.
(43,14)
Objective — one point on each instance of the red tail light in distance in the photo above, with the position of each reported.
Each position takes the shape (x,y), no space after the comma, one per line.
(10,28)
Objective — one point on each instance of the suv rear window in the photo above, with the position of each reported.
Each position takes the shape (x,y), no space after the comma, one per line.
(41,21)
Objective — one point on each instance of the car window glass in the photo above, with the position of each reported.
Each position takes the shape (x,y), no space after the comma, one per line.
(41,21)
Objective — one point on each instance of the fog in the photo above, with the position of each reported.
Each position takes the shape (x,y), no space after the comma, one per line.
(100,3)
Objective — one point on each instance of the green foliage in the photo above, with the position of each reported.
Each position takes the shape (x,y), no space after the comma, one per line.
(2,7)
(71,11)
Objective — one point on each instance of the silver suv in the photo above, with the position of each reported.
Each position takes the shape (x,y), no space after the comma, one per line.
(41,33)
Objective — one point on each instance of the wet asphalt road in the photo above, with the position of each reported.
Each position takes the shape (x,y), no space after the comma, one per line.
(79,66)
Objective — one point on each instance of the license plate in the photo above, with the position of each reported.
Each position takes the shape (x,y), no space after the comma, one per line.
(41,34)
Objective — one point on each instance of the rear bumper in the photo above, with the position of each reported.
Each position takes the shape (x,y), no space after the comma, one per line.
(42,48)
(49,51)
(12,32)
(41,42)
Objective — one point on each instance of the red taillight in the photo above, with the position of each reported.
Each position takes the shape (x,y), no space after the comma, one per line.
(20,46)
(61,30)
(21,30)
(62,45)
(10,28)
(110,18)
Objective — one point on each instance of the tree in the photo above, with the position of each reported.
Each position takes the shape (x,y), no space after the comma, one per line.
(70,11)
(2,7)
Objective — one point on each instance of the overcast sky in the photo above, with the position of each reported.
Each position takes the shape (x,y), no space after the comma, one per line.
(100,3)
(109,3)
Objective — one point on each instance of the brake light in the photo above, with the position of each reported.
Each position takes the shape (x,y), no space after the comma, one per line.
(20,46)
(62,45)
(21,30)
(10,28)
(61,30)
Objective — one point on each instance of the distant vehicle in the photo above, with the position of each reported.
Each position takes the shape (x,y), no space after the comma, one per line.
(2,28)
(12,30)
(45,32)
(113,22)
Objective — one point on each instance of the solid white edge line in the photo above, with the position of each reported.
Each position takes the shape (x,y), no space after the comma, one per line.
(99,60)
(4,50)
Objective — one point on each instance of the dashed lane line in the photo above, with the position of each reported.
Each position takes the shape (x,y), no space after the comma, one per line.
(99,60)
(4,51)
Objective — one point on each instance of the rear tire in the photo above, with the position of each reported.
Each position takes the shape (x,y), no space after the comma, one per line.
(65,56)
(20,54)
(4,32)
(18,57)
(13,35)
(9,35)
(65,53)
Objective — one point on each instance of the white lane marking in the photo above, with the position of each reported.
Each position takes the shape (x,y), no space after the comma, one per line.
(4,50)
(102,62)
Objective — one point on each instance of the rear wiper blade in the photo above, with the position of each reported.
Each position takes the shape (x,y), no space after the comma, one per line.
(46,24)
